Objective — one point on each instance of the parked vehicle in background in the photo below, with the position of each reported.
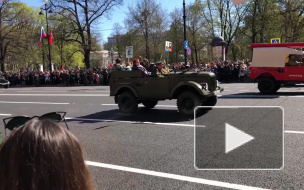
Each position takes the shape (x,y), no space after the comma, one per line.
(277,64)
(5,83)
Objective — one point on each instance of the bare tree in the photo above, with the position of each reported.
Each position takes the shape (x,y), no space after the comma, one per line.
(227,18)
(84,13)
(141,18)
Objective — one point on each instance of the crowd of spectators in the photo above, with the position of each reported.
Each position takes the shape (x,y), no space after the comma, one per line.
(58,77)
(225,71)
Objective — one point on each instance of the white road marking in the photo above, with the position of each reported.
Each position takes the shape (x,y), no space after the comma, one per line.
(173,176)
(135,122)
(54,95)
(97,91)
(151,123)
(244,90)
(257,96)
(295,132)
(3,114)
(140,105)
(41,91)
(49,103)
(284,90)
(13,89)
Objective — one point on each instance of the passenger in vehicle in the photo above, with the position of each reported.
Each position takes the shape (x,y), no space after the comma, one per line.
(150,67)
(293,60)
(117,65)
(128,66)
(162,68)
(137,66)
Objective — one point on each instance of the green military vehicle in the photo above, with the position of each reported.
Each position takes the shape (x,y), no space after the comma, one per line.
(191,89)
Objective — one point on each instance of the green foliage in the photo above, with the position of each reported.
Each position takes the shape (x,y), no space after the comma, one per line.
(256,21)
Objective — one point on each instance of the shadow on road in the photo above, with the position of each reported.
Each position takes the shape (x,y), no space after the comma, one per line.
(257,95)
(142,115)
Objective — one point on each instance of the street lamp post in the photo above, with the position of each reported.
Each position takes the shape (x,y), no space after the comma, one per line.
(47,31)
(185,35)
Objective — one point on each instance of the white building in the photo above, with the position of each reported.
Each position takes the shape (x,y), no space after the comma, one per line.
(102,58)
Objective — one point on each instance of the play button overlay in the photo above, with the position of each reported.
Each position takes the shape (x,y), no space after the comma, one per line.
(235,138)
(239,138)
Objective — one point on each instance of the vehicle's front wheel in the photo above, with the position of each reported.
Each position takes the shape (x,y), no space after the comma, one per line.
(127,103)
(6,86)
(267,86)
(278,86)
(210,101)
(187,101)
(149,103)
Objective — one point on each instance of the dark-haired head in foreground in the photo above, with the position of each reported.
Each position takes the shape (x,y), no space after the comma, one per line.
(41,155)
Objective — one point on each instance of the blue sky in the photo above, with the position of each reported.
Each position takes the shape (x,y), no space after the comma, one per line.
(105,24)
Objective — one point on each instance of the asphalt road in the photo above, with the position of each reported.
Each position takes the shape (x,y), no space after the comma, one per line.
(154,149)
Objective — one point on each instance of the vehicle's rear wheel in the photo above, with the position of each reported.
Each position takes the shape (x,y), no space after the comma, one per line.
(210,101)
(267,86)
(149,103)
(6,86)
(127,103)
(187,101)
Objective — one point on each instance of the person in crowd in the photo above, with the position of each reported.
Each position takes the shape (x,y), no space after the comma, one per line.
(43,155)
(242,69)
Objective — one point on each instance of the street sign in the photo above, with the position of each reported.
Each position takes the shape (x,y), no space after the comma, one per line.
(189,51)
(186,44)
(275,40)
(129,52)
(168,47)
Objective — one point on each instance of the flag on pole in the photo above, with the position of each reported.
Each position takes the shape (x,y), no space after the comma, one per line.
(51,37)
(42,35)
(237,2)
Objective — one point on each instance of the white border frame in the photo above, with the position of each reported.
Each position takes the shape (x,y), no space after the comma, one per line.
(248,169)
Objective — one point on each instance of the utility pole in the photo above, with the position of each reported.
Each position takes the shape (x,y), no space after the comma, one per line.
(46,8)
(185,34)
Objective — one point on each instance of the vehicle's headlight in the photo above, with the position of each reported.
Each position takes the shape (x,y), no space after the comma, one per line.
(217,83)
(204,86)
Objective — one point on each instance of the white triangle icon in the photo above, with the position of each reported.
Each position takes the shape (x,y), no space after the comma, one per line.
(235,138)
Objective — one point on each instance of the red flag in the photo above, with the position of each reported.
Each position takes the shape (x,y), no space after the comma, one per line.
(51,37)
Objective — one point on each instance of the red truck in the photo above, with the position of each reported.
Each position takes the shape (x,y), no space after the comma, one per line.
(276,64)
